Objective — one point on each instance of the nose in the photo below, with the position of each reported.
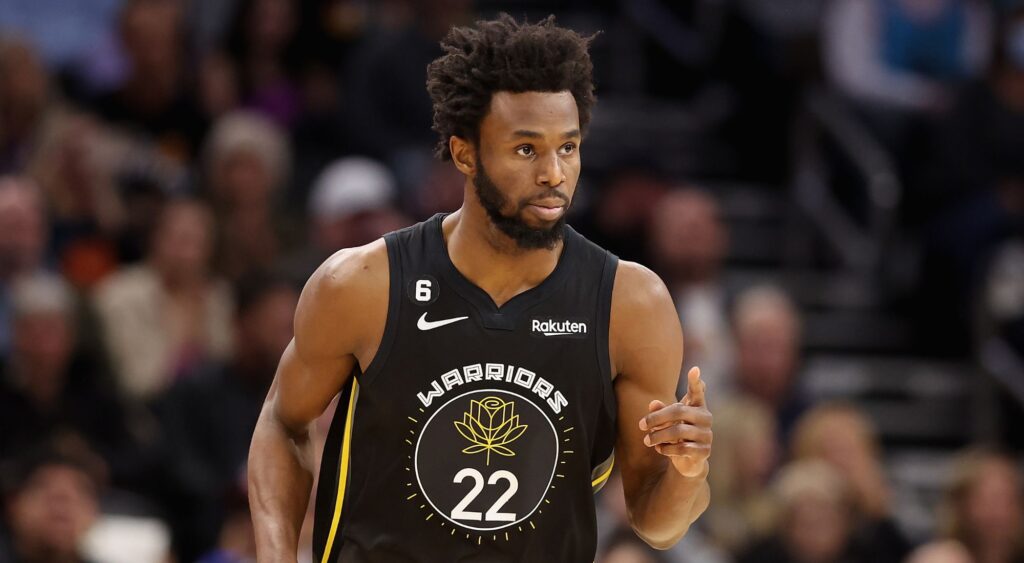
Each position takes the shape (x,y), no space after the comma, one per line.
(550,173)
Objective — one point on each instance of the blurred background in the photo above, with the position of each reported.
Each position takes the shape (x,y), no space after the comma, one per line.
(833,190)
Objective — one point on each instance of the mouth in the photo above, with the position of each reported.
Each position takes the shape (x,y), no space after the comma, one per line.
(547,210)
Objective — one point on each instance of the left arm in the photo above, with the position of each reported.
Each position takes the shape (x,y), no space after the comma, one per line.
(663,445)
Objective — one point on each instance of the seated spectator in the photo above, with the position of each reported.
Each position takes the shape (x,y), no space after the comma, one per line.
(351,204)
(50,388)
(815,519)
(23,239)
(51,501)
(263,43)
(163,318)
(153,99)
(246,162)
(24,102)
(207,420)
(842,436)
(746,453)
(767,329)
(689,242)
(984,508)
(75,160)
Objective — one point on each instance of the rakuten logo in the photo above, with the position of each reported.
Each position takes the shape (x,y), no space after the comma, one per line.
(551,327)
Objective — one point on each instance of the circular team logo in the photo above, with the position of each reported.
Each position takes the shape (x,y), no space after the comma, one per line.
(486,459)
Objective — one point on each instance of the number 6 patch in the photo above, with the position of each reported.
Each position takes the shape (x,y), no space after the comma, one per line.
(423,290)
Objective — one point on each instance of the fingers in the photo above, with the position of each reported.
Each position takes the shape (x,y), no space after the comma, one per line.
(676,412)
(676,433)
(695,451)
(694,388)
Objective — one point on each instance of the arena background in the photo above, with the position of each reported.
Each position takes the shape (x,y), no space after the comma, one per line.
(832,189)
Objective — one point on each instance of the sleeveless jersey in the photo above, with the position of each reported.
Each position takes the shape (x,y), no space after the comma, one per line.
(477,432)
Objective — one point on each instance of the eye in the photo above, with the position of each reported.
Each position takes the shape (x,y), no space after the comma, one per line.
(568,148)
(525,150)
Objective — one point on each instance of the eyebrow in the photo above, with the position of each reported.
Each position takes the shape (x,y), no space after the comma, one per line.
(535,135)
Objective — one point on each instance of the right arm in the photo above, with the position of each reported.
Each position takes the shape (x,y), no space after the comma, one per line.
(350,286)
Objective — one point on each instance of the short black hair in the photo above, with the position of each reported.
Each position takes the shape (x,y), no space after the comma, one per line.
(503,55)
(64,449)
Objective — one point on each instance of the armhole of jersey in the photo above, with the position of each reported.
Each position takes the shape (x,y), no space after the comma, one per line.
(604,315)
(394,304)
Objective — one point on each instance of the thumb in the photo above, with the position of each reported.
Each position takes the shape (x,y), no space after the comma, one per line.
(694,388)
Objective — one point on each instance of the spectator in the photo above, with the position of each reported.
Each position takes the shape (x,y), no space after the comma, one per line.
(350,205)
(23,239)
(745,456)
(984,508)
(814,523)
(904,54)
(51,502)
(24,100)
(208,420)
(767,331)
(154,99)
(163,318)
(689,243)
(842,436)
(622,212)
(50,387)
(264,45)
(247,160)
(978,166)
(75,161)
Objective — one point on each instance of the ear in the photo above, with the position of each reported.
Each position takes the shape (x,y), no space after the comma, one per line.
(463,155)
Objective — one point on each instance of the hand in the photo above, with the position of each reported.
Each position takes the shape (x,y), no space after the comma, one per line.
(681,431)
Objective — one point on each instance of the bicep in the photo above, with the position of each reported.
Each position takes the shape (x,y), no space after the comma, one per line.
(339,319)
(303,389)
(648,354)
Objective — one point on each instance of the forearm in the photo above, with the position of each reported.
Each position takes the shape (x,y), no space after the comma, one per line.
(664,511)
(280,479)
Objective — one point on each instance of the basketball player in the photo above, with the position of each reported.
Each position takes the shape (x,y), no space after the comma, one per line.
(488,360)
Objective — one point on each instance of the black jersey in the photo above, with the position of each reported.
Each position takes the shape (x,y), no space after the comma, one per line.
(477,433)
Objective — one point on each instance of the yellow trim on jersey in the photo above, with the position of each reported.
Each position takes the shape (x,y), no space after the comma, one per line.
(346,444)
(604,476)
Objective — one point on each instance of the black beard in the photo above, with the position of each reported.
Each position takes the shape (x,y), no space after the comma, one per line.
(525,236)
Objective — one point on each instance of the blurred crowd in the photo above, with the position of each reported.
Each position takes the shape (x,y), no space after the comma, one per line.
(171,171)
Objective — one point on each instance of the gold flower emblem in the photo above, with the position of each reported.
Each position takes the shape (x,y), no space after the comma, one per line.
(490,425)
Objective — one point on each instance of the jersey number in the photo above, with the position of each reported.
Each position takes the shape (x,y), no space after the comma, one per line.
(423,290)
(460,512)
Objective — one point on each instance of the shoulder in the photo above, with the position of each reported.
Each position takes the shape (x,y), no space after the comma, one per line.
(350,285)
(638,291)
(643,317)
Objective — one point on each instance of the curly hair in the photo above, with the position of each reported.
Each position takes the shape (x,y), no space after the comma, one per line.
(503,55)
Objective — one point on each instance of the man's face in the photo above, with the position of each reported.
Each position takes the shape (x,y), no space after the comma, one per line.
(49,516)
(528,164)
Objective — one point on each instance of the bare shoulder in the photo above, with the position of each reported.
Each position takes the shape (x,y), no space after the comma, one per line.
(643,316)
(344,304)
(638,290)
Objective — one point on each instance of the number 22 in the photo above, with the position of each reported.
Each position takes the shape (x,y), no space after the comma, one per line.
(460,512)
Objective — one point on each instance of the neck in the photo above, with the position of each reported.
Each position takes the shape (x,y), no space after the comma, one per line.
(490,259)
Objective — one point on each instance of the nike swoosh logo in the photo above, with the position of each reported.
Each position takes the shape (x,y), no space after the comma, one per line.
(424,324)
